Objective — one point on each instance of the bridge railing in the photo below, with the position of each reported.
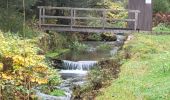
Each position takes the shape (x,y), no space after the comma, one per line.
(73,16)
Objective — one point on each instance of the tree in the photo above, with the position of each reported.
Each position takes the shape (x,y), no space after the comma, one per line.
(11,14)
(161,6)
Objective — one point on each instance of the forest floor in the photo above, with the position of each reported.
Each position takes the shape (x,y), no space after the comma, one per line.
(146,75)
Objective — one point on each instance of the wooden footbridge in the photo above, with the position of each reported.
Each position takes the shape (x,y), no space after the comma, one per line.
(78,20)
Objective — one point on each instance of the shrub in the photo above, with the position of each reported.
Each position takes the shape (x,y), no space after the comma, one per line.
(23,68)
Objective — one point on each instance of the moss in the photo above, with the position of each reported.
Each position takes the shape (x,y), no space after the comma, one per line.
(56,53)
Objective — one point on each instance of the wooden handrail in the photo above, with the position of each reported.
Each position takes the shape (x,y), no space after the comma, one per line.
(88,9)
(73,17)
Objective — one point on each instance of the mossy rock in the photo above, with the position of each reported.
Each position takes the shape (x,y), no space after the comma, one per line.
(94,37)
(108,37)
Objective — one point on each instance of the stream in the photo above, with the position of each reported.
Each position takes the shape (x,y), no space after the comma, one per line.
(74,66)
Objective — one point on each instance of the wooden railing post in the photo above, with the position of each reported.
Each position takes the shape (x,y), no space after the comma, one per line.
(136,20)
(74,20)
(71,18)
(104,18)
(40,16)
(43,20)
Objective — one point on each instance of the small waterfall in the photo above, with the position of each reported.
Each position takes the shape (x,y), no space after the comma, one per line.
(79,65)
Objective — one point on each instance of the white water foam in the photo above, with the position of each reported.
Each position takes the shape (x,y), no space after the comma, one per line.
(73,72)
(79,65)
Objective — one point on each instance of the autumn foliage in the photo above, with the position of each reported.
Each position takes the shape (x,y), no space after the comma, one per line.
(22,68)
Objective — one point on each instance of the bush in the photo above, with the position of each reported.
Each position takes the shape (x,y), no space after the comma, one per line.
(22,67)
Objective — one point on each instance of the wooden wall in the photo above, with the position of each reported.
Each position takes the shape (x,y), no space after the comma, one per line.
(145,17)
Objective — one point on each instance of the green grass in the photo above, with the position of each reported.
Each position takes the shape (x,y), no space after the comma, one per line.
(146,76)
(57,93)
(161,28)
(56,53)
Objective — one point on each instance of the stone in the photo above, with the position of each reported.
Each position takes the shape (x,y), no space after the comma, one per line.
(108,36)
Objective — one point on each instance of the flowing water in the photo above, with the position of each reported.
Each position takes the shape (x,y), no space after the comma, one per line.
(74,66)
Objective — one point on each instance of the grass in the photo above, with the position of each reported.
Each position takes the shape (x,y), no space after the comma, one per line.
(57,93)
(56,53)
(162,27)
(146,75)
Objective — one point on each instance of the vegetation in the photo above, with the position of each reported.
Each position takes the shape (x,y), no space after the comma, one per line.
(161,27)
(11,15)
(78,46)
(57,93)
(51,90)
(146,74)
(22,68)
(104,47)
(98,78)
(25,49)
(161,6)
